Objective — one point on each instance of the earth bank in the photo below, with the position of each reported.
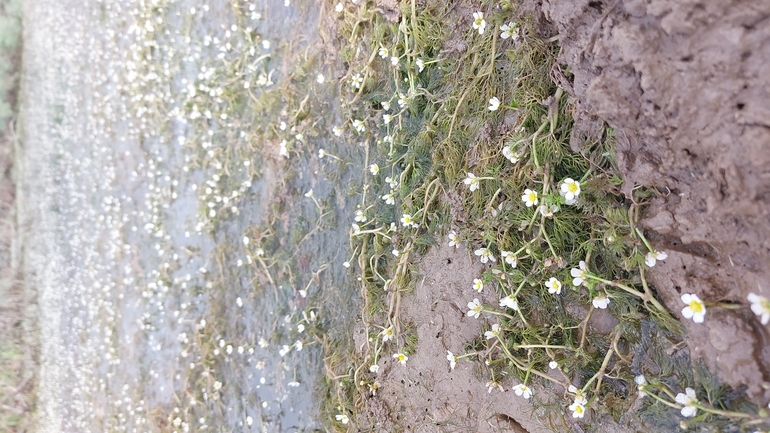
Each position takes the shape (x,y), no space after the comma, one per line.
(681,84)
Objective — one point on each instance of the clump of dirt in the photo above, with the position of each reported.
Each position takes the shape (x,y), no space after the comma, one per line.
(685,85)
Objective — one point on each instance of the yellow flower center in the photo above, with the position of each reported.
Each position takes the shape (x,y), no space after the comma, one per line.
(532,197)
(579,409)
(765,304)
(572,187)
(696,307)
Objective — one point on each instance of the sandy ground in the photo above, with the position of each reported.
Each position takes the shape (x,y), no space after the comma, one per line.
(685,85)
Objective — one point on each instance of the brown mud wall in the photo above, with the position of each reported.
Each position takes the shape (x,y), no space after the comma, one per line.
(686,86)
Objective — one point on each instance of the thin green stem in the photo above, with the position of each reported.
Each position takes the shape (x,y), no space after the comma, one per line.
(538,346)
(661,399)
(725,413)
(644,239)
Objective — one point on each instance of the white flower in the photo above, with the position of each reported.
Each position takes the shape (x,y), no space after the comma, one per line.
(688,400)
(479,23)
(383,52)
(309,194)
(570,189)
(472,181)
(387,118)
(284,350)
(402,100)
(359,126)
(522,390)
(420,65)
(283,150)
(342,418)
(554,286)
(760,306)
(396,252)
(529,198)
(392,182)
(513,157)
(337,131)
(695,309)
(601,301)
(493,333)
(389,198)
(641,381)
(320,78)
(509,30)
(407,221)
(385,105)
(654,256)
(374,368)
(356,81)
(339,7)
(249,420)
(394,61)
(452,360)
(374,169)
(293,384)
(509,258)
(578,409)
(494,104)
(454,241)
(547,210)
(579,275)
(485,255)
(360,217)
(474,308)
(509,302)
(321,153)
(492,384)
(401,358)
(553,365)
(478,285)
(388,333)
